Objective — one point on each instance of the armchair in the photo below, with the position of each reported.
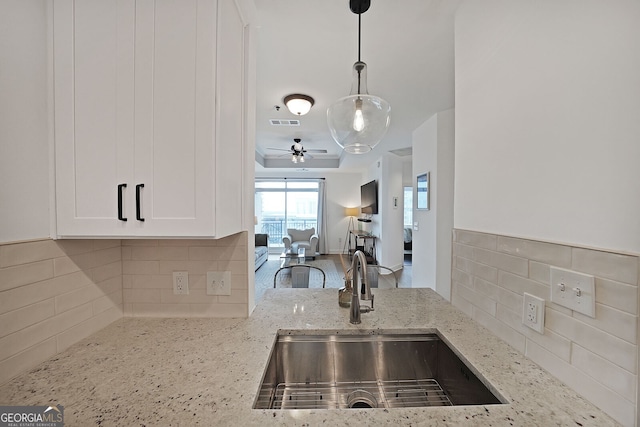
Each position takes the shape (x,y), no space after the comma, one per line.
(296,239)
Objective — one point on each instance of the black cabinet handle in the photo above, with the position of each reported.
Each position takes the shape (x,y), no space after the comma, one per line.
(138,187)
(120,187)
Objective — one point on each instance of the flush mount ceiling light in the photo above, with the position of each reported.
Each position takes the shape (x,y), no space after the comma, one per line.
(358,122)
(298,104)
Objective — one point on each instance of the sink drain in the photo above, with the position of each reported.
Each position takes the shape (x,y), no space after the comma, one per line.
(361,399)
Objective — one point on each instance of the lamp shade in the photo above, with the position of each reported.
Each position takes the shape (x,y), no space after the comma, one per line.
(351,211)
(298,104)
(358,122)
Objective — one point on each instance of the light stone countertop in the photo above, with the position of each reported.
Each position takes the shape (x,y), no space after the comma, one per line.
(154,372)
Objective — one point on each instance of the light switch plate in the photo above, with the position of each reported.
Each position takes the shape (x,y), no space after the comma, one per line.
(573,290)
(218,283)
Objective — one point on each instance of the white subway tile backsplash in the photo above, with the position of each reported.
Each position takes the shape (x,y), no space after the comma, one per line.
(142,295)
(606,399)
(617,295)
(24,274)
(34,334)
(500,329)
(618,351)
(99,244)
(85,328)
(25,295)
(462,277)
(54,293)
(598,356)
(622,268)
(617,323)
(107,302)
(154,281)
(23,253)
(480,301)
(204,253)
(104,272)
(237,297)
(26,316)
(540,272)
(553,342)
(617,379)
(219,310)
(27,359)
(472,238)
(140,267)
(159,310)
(548,253)
(144,253)
(461,303)
(75,247)
(504,262)
(476,269)
(174,253)
(521,285)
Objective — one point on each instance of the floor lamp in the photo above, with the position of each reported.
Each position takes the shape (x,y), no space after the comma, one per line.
(351,213)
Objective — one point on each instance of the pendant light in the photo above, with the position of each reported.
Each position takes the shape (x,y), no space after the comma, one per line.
(358,122)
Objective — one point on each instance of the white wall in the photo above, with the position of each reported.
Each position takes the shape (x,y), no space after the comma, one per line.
(390,242)
(24,149)
(433,152)
(548,121)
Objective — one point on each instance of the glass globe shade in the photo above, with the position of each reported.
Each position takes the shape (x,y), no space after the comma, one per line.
(358,122)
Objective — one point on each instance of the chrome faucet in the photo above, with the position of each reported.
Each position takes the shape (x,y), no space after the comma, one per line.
(354,314)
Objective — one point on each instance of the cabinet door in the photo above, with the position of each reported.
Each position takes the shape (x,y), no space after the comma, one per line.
(174,116)
(230,111)
(93,104)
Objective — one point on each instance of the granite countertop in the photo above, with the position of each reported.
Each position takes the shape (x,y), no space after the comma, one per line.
(141,371)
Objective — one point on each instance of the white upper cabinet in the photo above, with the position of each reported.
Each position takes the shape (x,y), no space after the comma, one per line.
(150,115)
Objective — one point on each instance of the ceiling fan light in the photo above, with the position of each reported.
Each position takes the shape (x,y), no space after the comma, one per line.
(299,104)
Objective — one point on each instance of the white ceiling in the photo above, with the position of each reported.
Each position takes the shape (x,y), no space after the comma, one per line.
(309,47)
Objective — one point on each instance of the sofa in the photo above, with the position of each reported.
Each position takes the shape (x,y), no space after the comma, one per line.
(262,249)
(296,239)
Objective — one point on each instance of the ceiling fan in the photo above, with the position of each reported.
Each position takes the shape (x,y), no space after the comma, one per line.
(297,151)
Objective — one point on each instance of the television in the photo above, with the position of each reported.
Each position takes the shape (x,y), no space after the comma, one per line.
(369,198)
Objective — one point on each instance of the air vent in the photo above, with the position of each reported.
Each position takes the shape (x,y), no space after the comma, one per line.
(281,122)
(402,152)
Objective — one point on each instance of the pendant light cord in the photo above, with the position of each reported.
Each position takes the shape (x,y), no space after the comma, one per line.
(359,45)
(359,34)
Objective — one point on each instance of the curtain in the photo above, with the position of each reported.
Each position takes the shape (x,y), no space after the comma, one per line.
(322,218)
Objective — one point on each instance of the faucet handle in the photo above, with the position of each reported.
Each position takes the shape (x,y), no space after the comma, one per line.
(365,292)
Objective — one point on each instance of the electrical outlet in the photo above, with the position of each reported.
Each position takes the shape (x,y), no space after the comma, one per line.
(218,283)
(180,283)
(533,312)
(573,290)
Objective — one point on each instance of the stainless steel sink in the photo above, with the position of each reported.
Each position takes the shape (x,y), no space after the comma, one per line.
(339,371)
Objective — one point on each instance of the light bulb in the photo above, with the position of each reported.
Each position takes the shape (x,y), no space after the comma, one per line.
(301,158)
(294,159)
(358,120)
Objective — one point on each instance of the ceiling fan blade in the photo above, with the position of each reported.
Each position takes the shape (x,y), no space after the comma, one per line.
(277,149)
(316,150)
